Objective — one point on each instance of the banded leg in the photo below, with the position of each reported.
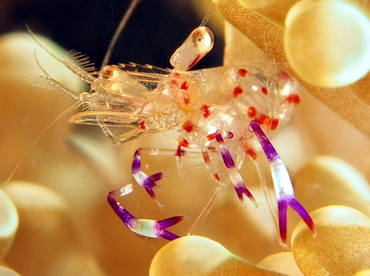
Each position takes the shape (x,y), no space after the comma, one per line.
(282,184)
(235,177)
(143,227)
(145,181)
(149,182)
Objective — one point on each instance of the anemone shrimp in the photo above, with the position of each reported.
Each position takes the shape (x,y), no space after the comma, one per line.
(224,113)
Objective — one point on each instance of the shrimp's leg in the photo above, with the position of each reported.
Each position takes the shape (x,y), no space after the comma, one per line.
(235,177)
(145,181)
(266,191)
(212,201)
(149,182)
(120,138)
(282,184)
(143,227)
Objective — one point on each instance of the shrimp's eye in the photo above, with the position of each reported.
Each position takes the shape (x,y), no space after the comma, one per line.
(195,47)
(108,71)
(202,39)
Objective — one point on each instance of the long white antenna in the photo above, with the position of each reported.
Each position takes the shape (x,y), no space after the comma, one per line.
(206,18)
(75,105)
(118,32)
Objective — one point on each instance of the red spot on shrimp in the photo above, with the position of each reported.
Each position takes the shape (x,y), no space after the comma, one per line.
(211,137)
(237,91)
(274,124)
(247,149)
(284,76)
(174,82)
(197,58)
(184,85)
(206,157)
(263,119)
(242,72)
(212,148)
(188,126)
(205,110)
(179,151)
(252,112)
(184,143)
(142,125)
(177,75)
(217,177)
(293,99)
(186,100)
(264,90)
(251,153)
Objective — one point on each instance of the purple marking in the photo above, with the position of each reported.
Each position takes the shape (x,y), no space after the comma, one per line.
(149,189)
(168,235)
(168,222)
(219,138)
(300,210)
(123,214)
(228,159)
(230,135)
(283,209)
(147,182)
(156,176)
(159,229)
(161,225)
(235,177)
(179,152)
(241,189)
(226,155)
(136,163)
(267,147)
(284,199)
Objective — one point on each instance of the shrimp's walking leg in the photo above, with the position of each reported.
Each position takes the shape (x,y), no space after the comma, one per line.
(235,177)
(149,182)
(144,227)
(145,181)
(282,184)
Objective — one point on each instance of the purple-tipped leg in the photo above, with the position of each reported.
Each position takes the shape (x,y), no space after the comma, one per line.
(296,206)
(235,177)
(145,181)
(282,184)
(144,227)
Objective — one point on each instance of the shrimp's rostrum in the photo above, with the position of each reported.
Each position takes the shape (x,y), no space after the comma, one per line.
(228,111)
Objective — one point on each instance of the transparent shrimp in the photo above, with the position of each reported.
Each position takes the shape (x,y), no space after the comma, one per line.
(225,111)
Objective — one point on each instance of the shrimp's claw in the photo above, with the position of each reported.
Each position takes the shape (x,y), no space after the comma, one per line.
(282,184)
(156,176)
(144,227)
(235,177)
(241,190)
(300,210)
(161,226)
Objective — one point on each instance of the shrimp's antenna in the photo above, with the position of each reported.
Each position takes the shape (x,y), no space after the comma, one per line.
(74,106)
(206,17)
(118,32)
